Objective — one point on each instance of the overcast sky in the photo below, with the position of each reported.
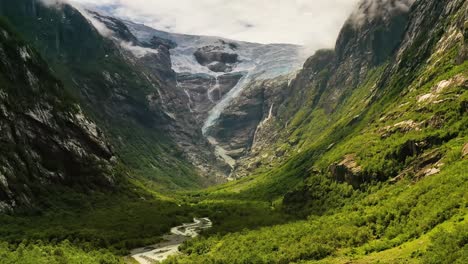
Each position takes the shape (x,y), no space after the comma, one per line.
(314,23)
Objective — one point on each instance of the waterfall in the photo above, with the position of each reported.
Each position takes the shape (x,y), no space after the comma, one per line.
(212,88)
(189,104)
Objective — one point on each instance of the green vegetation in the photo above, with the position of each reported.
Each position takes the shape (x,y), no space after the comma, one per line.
(377,177)
(112,221)
(46,253)
(106,226)
(379,219)
(409,175)
(112,91)
(449,246)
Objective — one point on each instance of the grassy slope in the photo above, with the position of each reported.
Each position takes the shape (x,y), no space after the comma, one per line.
(387,217)
(381,221)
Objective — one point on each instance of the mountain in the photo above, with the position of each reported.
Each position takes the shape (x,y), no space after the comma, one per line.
(367,145)
(340,92)
(358,156)
(47,141)
(113,88)
(172,87)
(212,72)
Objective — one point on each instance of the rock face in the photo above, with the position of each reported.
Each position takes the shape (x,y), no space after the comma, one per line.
(203,91)
(45,138)
(172,85)
(245,125)
(216,59)
(229,107)
(211,74)
(347,171)
(126,84)
(379,50)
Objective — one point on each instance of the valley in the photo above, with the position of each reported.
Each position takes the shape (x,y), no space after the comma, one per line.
(122,143)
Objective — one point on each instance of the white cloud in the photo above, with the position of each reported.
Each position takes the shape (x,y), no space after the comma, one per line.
(314,23)
(367,10)
(138,51)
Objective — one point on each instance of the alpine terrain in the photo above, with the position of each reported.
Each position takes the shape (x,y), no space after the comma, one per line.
(123,143)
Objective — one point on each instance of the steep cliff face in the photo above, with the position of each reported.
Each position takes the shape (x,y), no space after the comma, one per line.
(145,85)
(46,140)
(127,86)
(173,101)
(390,71)
(213,73)
(368,39)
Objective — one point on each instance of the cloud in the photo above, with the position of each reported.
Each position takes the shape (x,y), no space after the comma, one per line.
(100,27)
(312,23)
(367,10)
(137,51)
(52,2)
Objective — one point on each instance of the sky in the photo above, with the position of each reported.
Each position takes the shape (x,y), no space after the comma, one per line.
(313,23)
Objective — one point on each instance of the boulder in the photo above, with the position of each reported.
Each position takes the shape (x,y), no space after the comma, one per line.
(347,171)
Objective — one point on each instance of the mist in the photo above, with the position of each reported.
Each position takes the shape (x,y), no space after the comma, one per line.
(367,10)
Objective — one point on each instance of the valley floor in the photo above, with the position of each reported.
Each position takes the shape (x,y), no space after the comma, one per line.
(406,222)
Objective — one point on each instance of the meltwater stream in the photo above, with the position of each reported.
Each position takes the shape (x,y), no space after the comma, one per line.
(170,247)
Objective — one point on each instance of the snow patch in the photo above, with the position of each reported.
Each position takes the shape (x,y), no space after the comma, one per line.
(24,53)
(32,80)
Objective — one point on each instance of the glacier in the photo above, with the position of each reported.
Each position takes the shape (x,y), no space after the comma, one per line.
(256,61)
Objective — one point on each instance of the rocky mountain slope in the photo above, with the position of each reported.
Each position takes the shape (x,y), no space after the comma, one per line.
(121,86)
(212,72)
(363,81)
(46,140)
(159,95)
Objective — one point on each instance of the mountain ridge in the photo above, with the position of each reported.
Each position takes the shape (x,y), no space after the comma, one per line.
(46,138)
